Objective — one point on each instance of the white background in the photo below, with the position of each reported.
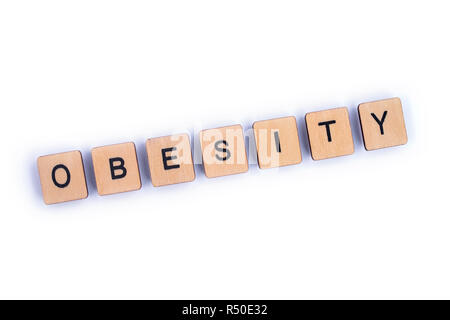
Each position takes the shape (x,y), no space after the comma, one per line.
(80,74)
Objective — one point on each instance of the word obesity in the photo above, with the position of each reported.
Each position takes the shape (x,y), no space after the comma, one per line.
(223,151)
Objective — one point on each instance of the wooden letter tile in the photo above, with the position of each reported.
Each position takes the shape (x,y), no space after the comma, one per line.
(223,151)
(62,177)
(170,160)
(116,168)
(277,142)
(382,124)
(329,133)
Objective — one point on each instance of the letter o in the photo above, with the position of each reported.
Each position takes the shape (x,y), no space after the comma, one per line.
(61,185)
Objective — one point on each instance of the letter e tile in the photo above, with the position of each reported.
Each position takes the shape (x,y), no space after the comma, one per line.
(170,160)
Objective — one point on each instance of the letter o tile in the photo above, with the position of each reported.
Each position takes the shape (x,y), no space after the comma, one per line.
(62,177)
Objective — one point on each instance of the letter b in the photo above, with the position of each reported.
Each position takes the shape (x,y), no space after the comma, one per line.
(117,167)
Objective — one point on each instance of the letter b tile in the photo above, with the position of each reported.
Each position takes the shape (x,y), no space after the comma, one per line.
(382,124)
(62,177)
(170,160)
(329,133)
(116,168)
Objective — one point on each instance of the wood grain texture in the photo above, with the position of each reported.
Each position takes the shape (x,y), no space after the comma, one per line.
(329,133)
(277,142)
(170,160)
(223,151)
(109,183)
(62,177)
(382,124)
